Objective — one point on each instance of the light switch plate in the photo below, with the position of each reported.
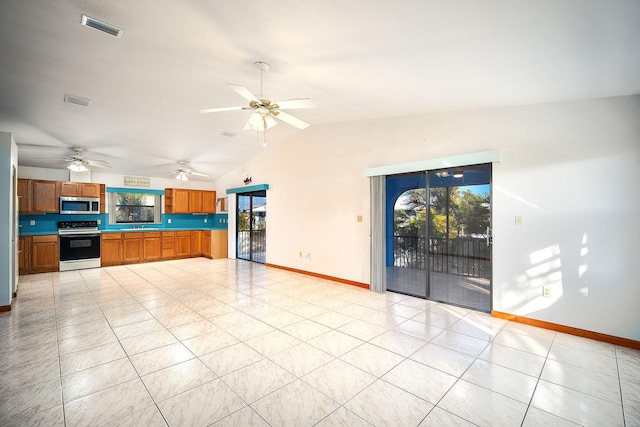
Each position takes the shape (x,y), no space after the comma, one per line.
(518,219)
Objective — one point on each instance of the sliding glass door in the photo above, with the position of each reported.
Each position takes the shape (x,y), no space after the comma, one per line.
(439,235)
(251,229)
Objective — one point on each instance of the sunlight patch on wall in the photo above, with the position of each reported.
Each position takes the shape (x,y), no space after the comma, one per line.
(545,272)
(518,198)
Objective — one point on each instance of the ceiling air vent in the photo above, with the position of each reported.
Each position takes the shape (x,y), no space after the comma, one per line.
(78,100)
(101,26)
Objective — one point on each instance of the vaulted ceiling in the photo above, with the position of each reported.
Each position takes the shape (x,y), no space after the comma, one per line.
(358,60)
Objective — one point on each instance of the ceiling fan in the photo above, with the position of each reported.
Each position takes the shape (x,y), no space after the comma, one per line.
(78,163)
(183,172)
(264,110)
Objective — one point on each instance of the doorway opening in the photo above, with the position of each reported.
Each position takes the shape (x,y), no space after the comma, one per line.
(438,230)
(251,227)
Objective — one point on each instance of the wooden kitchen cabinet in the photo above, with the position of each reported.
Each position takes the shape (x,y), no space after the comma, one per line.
(79,189)
(131,247)
(196,243)
(103,198)
(46,196)
(219,248)
(25,196)
(38,196)
(183,244)
(24,254)
(208,201)
(181,200)
(206,243)
(151,246)
(168,245)
(176,200)
(110,249)
(44,253)
(195,201)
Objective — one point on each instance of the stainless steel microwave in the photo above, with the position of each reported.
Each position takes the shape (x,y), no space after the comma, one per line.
(79,205)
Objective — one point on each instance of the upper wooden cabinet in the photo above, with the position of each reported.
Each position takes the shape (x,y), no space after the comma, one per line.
(25,196)
(80,189)
(182,200)
(209,201)
(195,201)
(38,196)
(46,196)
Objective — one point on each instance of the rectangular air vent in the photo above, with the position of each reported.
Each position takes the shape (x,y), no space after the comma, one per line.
(78,100)
(101,26)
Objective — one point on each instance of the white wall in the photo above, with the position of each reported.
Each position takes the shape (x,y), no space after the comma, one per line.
(570,169)
(117,180)
(8,159)
(110,179)
(28,172)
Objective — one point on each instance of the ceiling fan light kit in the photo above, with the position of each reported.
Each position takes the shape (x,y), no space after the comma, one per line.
(77,166)
(265,111)
(79,163)
(183,172)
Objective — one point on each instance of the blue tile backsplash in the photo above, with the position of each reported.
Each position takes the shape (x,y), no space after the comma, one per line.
(48,223)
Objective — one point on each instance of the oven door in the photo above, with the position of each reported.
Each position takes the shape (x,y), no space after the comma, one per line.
(79,246)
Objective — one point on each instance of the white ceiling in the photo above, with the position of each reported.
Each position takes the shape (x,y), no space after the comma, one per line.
(358,60)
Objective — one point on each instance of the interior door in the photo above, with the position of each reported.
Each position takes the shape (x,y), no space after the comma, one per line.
(251,230)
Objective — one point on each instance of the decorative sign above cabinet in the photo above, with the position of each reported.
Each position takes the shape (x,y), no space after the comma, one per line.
(137,181)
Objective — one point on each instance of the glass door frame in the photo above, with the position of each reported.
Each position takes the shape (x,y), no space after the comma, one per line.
(447,180)
(252,244)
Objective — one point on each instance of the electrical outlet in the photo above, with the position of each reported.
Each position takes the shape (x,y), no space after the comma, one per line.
(547,291)
(205,220)
(32,222)
(359,218)
(169,221)
(300,254)
(518,219)
(99,221)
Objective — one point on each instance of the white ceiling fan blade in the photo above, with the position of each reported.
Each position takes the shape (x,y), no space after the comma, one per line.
(293,121)
(290,104)
(244,92)
(217,110)
(198,174)
(98,164)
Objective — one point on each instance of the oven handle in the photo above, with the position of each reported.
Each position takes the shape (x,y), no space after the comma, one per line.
(80,234)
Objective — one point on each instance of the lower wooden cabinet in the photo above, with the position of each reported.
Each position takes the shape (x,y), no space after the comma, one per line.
(196,243)
(110,249)
(38,254)
(168,244)
(151,246)
(131,248)
(219,244)
(206,244)
(24,254)
(183,244)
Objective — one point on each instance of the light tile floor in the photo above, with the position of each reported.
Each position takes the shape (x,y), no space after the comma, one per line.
(232,343)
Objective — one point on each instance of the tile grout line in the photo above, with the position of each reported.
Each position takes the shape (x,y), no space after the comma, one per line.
(624,418)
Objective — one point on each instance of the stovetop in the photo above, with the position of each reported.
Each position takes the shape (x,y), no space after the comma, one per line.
(74,225)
